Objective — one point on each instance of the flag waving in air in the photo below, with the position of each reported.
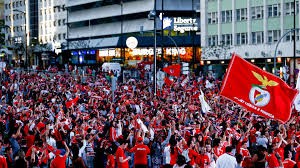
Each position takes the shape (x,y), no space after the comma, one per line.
(173,70)
(257,90)
(72,102)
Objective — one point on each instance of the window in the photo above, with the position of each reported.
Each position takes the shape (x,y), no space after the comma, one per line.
(17,4)
(64,35)
(241,38)
(241,14)
(212,18)
(290,36)
(54,23)
(227,39)
(289,8)
(257,37)
(59,37)
(64,22)
(257,12)
(6,6)
(212,40)
(58,22)
(274,10)
(17,16)
(273,36)
(226,16)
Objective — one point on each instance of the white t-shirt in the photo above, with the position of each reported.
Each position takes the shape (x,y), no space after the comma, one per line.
(226,161)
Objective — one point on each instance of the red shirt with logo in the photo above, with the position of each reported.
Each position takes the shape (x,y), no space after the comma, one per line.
(140,154)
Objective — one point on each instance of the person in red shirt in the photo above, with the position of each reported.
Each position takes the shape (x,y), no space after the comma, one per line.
(3,163)
(203,159)
(243,150)
(218,149)
(297,156)
(273,159)
(60,161)
(288,162)
(110,158)
(30,139)
(113,132)
(122,160)
(140,153)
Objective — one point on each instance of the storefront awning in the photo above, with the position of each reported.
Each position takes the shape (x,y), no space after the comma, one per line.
(94,43)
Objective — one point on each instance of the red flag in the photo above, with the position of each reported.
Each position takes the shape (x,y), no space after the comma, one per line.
(257,90)
(168,81)
(173,70)
(71,102)
(196,96)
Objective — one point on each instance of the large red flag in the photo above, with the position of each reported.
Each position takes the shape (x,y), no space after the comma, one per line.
(173,70)
(72,102)
(168,81)
(257,90)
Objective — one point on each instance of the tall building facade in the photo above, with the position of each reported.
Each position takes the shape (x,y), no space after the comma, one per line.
(17,31)
(98,30)
(35,27)
(250,28)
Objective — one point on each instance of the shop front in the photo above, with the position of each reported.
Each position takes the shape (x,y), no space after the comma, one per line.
(133,57)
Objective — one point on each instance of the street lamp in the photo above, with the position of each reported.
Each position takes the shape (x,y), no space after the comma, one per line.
(278,42)
(152,16)
(26,49)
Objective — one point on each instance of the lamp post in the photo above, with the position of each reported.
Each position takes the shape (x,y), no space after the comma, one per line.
(152,16)
(26,48)
(277,44)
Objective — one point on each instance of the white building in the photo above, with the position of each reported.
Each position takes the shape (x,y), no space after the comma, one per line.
(45,22)
(52,23)
(250,28)
(15,12)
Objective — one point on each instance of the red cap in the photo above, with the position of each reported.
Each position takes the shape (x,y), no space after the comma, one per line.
(140,139)
(57,152)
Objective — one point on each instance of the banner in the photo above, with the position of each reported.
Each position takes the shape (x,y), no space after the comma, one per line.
(71,102)
(173,70)
(257,90)
(204,105)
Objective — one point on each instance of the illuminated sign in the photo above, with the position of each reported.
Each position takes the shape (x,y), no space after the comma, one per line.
(181,24)
(105,53)
(169,51)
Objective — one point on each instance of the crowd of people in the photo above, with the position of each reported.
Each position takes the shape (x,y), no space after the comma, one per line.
(58,120)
